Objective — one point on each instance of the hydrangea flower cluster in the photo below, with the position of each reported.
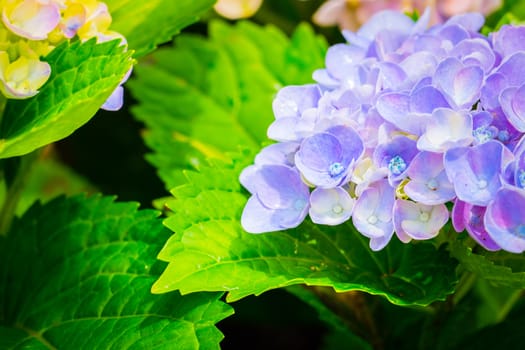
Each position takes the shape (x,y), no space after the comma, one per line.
(406,128)
(31,29)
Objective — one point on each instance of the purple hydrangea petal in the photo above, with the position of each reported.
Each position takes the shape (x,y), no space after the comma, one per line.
(281,153)
(476,171)
(509,39)
(256,218)
(470,21)
(279,198)
(372,215)
(325,159)
(512,69)
(396,156)
(491,89)
(330,206)
(292,100)
(512,102)
(475,52)
(418,221)
(447,128)
(470,217)
(341,58)
(429,183)
(504,219)
(387,20)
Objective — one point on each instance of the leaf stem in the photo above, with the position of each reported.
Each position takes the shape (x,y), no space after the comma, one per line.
(353,308)
(15,189)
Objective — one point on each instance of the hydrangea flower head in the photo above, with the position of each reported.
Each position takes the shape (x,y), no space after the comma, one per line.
(30,29)
(403,120)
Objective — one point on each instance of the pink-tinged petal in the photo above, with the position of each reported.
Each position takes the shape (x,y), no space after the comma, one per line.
(467,86)
(419,221)
(237,9)
(22,78)
(330,206)
(372,214)
(504,219)
(31,19)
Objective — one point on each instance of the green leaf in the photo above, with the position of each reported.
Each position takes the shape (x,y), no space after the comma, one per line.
(211,252)
(146,24)
(500,268)
(76,274)
(207,97)
(83,76)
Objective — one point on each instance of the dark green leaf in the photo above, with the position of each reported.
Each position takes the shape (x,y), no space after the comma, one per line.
(76,274)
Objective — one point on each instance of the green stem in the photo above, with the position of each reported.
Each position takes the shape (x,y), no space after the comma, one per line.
(465,284)
(14,191)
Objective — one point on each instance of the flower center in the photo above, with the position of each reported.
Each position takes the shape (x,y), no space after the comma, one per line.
(424,217)
(432,184)
(372,220)
(483,134)
(336,169)
(397,165)
(337,209)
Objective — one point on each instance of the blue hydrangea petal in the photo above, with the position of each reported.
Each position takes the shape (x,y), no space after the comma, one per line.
(508,40)
(256,218)
(372,214)
(330,206)
(475,52)
(418,221)
(341,59)
(429,183)
(472,22)
(512,68)
(292,100)
(447,128)
(281,153)
(476,171)
(504,219)
(513,105)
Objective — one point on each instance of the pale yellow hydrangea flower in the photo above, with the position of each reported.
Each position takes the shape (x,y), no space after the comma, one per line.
(237,9)
(30,29)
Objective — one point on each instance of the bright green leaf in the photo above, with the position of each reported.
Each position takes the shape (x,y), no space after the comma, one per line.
(146,24)
(83,76)
(76,274)
(500,268)
(207,97)
(210,251)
